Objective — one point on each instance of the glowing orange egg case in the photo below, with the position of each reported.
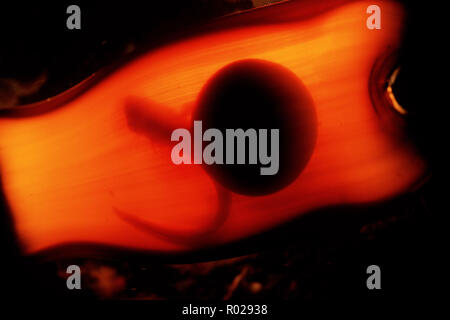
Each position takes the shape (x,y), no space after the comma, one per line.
(93,169)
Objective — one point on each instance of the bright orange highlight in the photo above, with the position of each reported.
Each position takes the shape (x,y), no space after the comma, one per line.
(69,174)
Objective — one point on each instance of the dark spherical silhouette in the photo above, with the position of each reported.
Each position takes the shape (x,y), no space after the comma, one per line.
(259,94)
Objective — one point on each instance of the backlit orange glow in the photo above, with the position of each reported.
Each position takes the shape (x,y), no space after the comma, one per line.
(80,174)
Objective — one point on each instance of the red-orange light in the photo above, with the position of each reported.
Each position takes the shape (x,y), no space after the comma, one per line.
(73,174)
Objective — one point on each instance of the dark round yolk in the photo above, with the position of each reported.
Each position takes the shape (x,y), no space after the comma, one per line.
(258,94)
